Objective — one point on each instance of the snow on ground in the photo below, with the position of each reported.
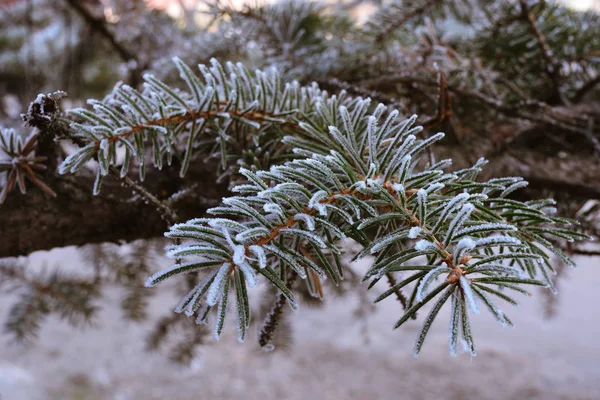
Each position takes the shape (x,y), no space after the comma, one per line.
(328,359)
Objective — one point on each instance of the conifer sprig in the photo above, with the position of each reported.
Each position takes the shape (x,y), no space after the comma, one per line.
(355,171)
(232,110)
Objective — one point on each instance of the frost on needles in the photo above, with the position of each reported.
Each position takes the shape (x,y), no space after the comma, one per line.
(345,169)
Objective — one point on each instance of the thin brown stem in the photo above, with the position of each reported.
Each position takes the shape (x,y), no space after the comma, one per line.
(166,212)
(270,325)
(190,116)
(399,295)
(588,86)
(550,62)
(99,25)
(410,14)
(360,91)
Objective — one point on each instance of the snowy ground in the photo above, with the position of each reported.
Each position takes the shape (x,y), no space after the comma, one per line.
(329,359)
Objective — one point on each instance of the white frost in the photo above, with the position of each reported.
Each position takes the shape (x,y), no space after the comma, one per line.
(414,232)
(214,292)
(307,219)
(469,295)
(423,245)
(260,254)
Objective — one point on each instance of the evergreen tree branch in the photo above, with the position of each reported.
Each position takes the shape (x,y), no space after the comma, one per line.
(350,163)
(308,168)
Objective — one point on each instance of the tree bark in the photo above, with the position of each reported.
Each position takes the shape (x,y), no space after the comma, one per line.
(75,217)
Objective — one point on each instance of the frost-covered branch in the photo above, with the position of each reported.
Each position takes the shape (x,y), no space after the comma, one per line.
(358,174)
(224,113)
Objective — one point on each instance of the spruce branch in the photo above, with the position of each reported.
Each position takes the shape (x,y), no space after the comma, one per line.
(308,169)
(225,105)
(357,168)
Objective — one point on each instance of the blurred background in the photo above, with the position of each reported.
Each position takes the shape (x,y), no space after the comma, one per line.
(121,341)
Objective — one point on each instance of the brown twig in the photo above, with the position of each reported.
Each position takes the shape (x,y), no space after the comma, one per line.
(582,91)
(399,295)
(272,320)
(410,14)
(581,252)
(99,25)
(444,110)
(573,189)
(551,65)
(355,90)
(165,210)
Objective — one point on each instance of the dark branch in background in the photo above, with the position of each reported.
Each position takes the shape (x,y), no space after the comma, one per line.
(99,25)
(444,109)
(399,295)
(358,91)
(76,217)
(551,65)
(419,10)
(560,186)
(589,253)
(565,118)
(582,91)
